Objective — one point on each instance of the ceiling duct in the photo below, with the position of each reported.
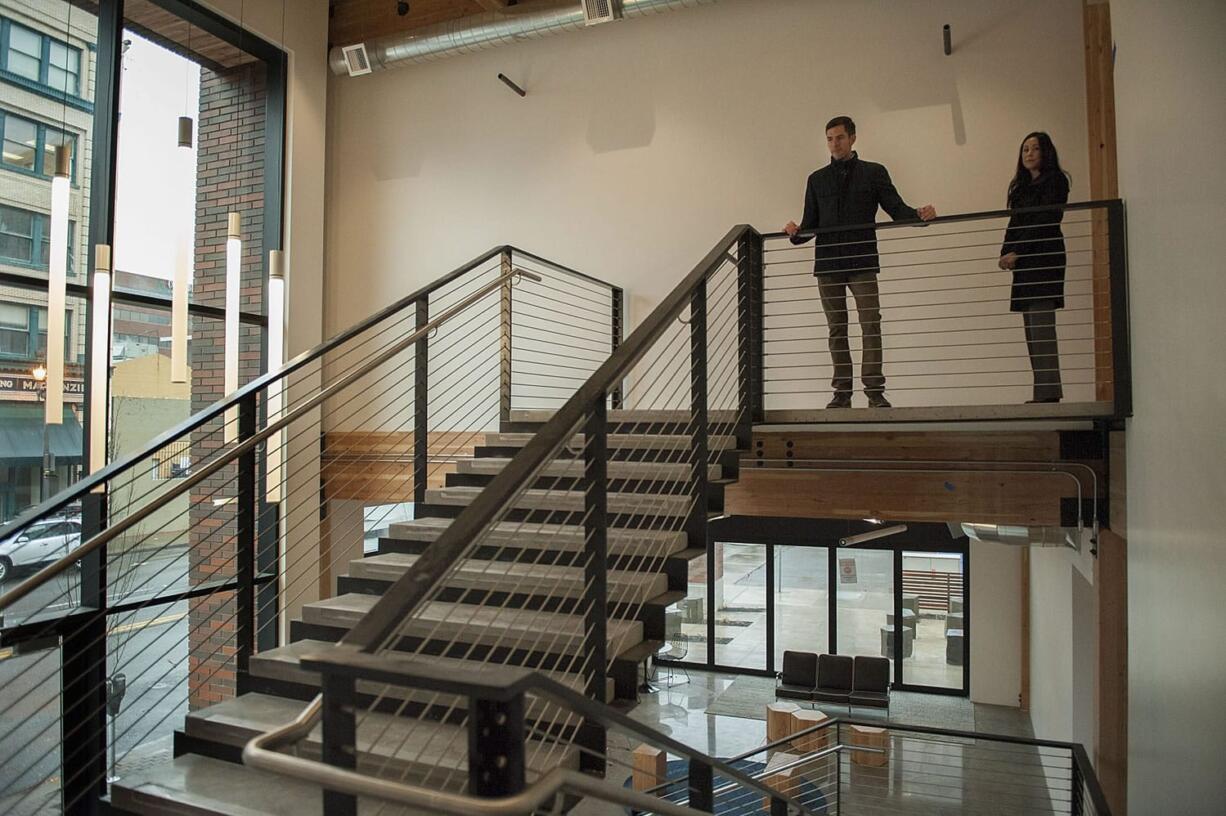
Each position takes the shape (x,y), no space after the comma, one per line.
(480,32)
(1024,536)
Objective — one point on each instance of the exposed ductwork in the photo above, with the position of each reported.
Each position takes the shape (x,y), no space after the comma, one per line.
(1024,536)
(480,32)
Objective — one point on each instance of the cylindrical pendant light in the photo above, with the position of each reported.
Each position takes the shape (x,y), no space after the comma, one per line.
(178,313)
(234,270)
(99,357)
(185,131)
(57,289)
(276,355)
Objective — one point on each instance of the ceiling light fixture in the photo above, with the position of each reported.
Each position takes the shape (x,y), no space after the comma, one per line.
(872,535)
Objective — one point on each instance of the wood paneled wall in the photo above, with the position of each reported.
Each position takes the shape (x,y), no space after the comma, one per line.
(377,468)
(916,476)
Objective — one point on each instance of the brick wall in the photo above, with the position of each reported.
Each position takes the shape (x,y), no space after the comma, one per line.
(230,174)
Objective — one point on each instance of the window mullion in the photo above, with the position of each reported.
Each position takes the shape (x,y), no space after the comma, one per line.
(40,146)
(44,65)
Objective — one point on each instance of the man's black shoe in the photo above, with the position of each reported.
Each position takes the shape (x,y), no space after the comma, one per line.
(841,400)
(878,401)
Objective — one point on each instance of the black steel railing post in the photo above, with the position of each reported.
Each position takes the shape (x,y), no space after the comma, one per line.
(696,524)
(595,572)
(1076,799)
(421,404)
(504,341)
(340,737)
(701,786)
(1121,349)
(749,333)
(496,755)
(617,334)
(245,545)
(83,675)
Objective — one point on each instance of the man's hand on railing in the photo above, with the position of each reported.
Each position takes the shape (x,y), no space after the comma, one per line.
(791,228)
(1008,261)
(926,212)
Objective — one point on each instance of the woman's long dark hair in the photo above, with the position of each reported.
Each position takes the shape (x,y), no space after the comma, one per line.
(1050,163)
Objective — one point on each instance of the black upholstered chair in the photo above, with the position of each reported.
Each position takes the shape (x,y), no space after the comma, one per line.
(834,679)
(871,683)
(799,676)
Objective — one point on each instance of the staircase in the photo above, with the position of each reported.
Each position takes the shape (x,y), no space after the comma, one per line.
(530,563)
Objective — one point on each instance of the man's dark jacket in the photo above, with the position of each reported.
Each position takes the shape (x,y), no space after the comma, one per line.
(847,193)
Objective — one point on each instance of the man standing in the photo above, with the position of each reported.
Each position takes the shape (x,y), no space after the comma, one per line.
(848,192)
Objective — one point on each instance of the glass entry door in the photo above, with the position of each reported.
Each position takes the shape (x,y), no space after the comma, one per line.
(801,600)
(864,605)
(934,609)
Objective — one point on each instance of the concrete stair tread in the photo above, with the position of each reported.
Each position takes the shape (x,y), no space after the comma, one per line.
(533,578)
(281,663)
(557,537)
(542,415)
(195,785)
(468,623)
(638,441)
(403,741)
(493,465)
(568,500)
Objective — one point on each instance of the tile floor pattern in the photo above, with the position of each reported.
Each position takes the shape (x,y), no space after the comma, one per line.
(924,775)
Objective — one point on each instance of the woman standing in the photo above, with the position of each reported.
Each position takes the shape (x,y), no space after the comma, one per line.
(1034,251)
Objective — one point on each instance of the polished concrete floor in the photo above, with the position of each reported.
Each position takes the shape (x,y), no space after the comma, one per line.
(924,773)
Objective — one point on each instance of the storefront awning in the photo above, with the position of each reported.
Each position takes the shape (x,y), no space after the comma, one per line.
(21,436)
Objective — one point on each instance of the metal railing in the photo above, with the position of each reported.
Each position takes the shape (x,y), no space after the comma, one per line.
(614,491)
(181,584)
(849,766)
(552,553)
(958,335)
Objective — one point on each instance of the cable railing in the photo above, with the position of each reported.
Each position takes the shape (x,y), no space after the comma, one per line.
(941,327)
(554,567)
(850,766)
(560,479)
(113,644)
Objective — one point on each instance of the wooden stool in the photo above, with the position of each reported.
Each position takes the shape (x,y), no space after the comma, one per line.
(785,781)
(779,720)
(815,741)
(649,767)
(869,737)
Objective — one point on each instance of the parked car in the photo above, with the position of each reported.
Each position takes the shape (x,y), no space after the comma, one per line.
(38,544)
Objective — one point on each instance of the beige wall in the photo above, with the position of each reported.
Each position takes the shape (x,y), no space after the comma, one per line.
(640,143)
(996,625)
(1169,73)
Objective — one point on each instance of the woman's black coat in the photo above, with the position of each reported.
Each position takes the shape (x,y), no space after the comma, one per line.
(1038,242)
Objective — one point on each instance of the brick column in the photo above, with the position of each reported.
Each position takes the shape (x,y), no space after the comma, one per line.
(230,178)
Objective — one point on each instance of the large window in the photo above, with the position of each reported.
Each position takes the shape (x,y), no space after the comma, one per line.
(39,58)
(23,333)
(30,145)
(25,238)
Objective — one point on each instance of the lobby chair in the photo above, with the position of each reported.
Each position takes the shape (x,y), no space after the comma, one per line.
(798,680)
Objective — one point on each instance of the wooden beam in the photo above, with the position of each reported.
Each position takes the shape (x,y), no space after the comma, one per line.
(356,21)
(1104,176)
(991,497)
(1111,679)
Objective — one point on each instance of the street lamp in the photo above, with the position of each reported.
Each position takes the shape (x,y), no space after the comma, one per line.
(40,375)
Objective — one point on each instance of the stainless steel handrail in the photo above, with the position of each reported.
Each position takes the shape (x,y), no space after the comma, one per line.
(64,563)
(261,753)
